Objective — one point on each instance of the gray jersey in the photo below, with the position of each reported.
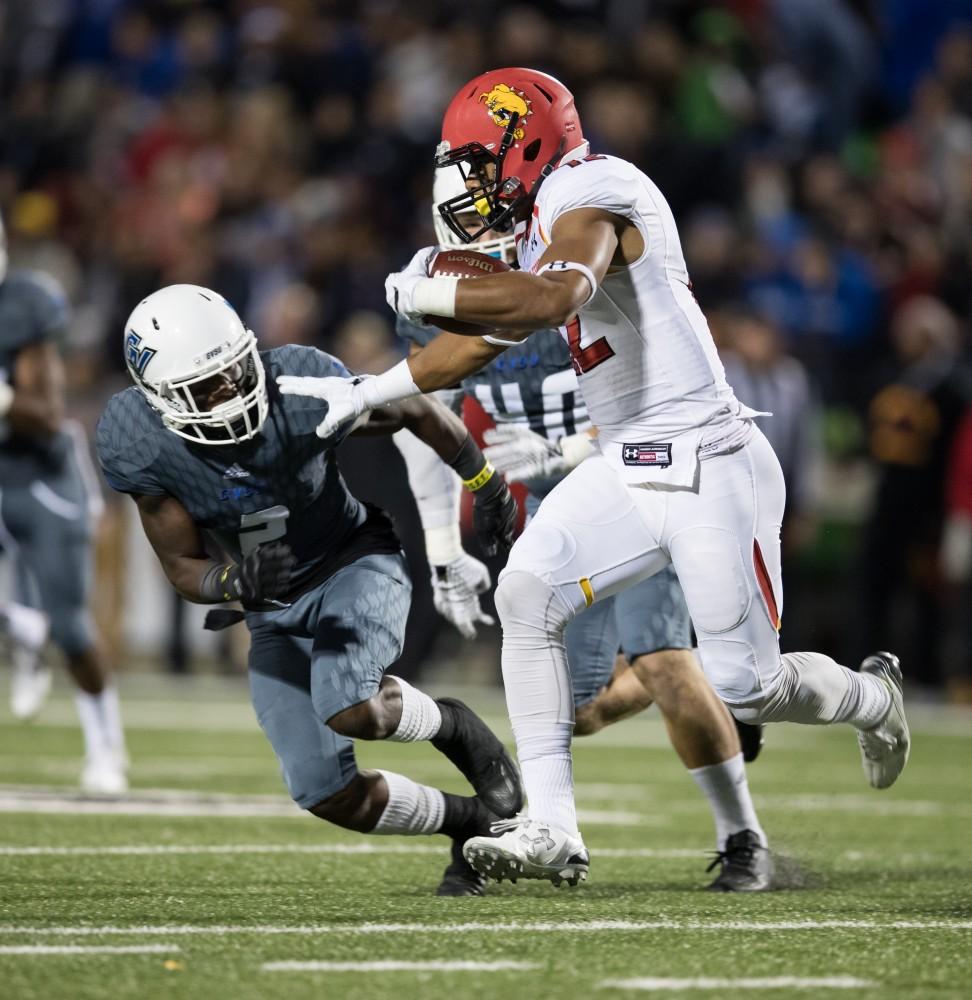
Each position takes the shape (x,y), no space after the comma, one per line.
(282,484)
(33,310)
(532,383)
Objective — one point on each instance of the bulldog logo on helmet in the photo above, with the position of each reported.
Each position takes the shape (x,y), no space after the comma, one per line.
(502,102)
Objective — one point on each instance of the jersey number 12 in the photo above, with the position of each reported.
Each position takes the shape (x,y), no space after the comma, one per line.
(585,359)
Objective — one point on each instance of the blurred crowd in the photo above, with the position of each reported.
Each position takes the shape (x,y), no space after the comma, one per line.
(817,154)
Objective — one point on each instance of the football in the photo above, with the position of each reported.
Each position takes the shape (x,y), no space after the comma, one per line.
(463,264)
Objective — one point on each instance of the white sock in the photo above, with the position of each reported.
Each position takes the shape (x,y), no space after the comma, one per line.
(111,718)
(818,690)
(411,808)
(539,696)
(100,721)
(727,791)
(549,784)
(421,717)
(92,726)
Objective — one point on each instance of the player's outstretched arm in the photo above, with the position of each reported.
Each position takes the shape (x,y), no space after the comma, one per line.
(36,406)
(494,509)
(263,575)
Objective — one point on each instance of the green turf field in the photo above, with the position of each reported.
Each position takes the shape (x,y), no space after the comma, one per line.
(212,879)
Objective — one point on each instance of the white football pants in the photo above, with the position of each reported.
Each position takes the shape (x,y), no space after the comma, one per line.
(594,536)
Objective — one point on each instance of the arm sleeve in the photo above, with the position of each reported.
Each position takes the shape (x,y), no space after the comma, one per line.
(436,488)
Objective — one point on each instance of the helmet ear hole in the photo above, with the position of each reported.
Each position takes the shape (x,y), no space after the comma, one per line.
(532,151)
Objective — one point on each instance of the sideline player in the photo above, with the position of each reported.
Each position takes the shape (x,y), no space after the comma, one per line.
(217,460)
(48,503)
(543,432)
(683,475)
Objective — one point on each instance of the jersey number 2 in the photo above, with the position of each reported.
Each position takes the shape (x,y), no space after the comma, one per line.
(584,359)
(261,526)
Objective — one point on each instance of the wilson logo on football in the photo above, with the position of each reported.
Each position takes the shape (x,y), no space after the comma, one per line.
(502,102)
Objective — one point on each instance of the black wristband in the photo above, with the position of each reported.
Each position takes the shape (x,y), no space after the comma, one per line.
(477,475)
(220,583)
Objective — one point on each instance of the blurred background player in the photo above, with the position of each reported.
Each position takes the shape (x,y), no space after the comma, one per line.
(49,502)
(624,652)
(220,463)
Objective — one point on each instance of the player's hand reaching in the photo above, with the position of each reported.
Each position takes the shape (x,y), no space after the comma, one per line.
(521,454)
(456,587)
(400,285)
(494,516)
(263,575)
(345,398)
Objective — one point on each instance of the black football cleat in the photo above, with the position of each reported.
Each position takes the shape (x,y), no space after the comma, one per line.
(750,739)
(460,878)
(483,760)
(747,866)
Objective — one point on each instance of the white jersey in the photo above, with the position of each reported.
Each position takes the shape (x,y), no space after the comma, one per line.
(646,363)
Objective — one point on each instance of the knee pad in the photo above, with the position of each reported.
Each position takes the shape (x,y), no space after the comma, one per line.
(524,601)
(73,631)
(730,667)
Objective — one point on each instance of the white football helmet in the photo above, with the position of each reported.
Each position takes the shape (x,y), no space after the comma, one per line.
(182,336)
(449,183)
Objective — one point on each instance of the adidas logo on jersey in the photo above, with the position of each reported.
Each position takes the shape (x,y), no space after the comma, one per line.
(235,471)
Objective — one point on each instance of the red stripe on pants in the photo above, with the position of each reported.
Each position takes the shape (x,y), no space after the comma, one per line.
(766,585)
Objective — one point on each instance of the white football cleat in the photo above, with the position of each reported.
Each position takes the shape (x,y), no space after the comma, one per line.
(885,747)
(527,848)
(30,680)
(104,774)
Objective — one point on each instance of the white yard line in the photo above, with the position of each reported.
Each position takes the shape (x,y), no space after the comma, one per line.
(169,802)
(349,849)
(770,983)
(481,927)
(867,804)
(396,966)
(378,846)
(94,949)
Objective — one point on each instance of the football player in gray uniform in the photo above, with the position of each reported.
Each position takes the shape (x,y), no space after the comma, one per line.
(243,501)
(48,503)
(542,432)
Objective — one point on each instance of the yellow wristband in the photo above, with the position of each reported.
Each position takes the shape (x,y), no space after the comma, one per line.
(480,479)
(222,582)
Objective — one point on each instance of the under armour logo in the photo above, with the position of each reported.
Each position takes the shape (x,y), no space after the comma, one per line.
(541,840)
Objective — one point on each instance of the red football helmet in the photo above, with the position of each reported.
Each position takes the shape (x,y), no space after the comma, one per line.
(519,120)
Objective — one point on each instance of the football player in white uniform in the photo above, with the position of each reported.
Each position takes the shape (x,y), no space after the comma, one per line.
(683,475)
(542,432)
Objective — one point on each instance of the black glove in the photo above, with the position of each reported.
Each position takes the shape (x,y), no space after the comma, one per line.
(494,516)
(263,575)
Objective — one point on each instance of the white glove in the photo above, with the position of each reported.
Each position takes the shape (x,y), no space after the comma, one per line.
(348,398)
(520,454)
(412,294)
(456,587)
(344,396)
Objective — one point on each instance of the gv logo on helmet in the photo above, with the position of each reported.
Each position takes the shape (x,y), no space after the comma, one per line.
(502,102)
(138,356)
